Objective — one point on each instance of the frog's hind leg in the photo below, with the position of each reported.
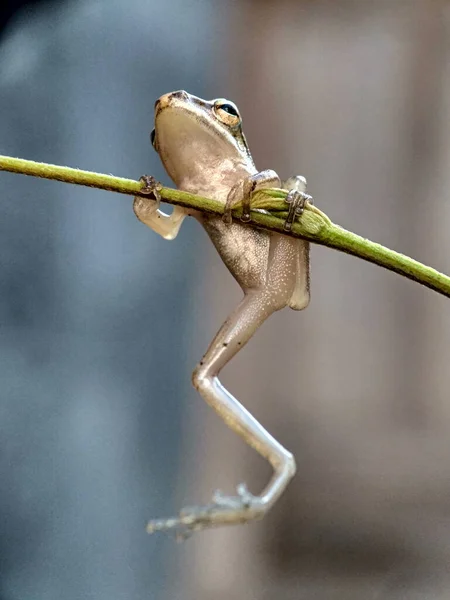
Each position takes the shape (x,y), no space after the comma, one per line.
(256,306)
(301,294)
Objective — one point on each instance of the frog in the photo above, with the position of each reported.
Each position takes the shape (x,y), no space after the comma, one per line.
(204,151)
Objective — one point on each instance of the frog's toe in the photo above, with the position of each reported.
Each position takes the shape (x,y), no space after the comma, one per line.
(150,187)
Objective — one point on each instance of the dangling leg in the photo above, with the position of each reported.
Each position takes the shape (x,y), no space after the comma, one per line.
(236,331)
(284,281)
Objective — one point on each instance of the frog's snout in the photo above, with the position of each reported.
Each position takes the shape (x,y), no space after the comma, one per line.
(165,100)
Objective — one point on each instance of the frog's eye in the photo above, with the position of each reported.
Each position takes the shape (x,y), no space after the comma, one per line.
(227,112)
(230,109)
(152,137)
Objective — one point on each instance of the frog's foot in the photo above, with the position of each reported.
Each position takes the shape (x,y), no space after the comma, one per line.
(151,187)
(145,207)
(224,510)
(241,192)
(297,201)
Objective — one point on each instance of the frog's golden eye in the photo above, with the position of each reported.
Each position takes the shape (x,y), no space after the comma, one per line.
(230,109)
(227,113)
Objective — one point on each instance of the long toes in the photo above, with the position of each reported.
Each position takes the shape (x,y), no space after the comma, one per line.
(148,184)
(151,187)
(173,523)
(188,522)
(218,496)
(246,497)
(221,500)
(224,510)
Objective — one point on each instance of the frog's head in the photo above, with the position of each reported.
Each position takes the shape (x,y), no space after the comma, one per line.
(192,134)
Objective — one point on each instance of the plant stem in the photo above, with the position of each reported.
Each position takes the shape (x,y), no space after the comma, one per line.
(313,225)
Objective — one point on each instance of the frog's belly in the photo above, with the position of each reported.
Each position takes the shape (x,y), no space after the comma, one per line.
(244,250)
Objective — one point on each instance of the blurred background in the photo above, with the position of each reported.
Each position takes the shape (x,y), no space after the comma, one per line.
(102,321)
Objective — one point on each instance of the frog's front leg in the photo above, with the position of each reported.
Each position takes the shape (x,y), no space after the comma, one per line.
(147,210)
(296,198)
(243,190)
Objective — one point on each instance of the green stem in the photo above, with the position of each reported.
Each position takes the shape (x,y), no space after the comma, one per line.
(313,225)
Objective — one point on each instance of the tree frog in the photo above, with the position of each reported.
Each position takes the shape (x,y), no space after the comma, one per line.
(204,151)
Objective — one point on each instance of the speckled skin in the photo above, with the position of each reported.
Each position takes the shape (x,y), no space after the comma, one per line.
(204,151)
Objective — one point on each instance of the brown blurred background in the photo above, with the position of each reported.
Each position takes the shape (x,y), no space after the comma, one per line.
(356,96)
(353,95)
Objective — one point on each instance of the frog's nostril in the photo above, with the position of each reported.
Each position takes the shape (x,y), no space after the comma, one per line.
(181,94)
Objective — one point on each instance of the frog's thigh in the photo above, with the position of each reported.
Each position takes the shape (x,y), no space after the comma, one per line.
(301,293)
(286,281)
(244,250)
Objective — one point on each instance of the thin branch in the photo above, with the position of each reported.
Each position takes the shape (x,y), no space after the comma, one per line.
(313,225)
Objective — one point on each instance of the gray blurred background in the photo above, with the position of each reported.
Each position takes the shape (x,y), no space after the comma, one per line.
(102,321)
